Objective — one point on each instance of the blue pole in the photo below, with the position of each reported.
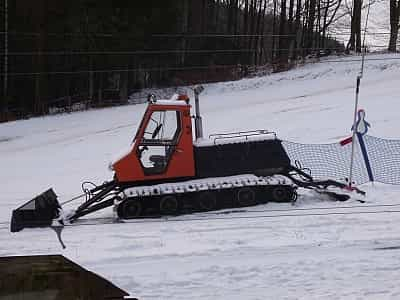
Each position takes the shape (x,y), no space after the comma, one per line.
(365,155)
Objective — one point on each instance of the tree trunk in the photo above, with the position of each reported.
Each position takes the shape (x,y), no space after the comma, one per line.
(358,26)
(100,90)
(183,30)
(325,23)
(253,9)
(317,39)
(311,23)
(355,35)
(123,89)
(305,27)
(258,27)
(274,32)
(235,16)
(40,90)
(292,37)
(261,54)
(394,24)
(204,18)
(217,9)
(230,16)
(246,17)
(245,31)
(298,30)
(282,48)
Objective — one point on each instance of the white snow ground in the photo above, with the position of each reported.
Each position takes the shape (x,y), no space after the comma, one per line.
(258,254)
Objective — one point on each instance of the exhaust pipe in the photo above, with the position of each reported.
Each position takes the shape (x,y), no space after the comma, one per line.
(197,119)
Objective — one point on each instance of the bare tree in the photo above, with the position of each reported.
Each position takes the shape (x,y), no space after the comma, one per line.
(327,10)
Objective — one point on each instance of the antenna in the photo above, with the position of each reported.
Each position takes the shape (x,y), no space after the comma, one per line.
(359,77)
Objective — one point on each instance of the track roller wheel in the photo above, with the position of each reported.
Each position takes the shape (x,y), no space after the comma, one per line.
(207,201)
(169,205)
(280,194)
(130,209)
(246,196)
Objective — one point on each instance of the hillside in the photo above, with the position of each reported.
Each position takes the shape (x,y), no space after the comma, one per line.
(271,251)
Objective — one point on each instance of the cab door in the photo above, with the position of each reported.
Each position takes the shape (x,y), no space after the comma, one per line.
(159,141)
(162,148)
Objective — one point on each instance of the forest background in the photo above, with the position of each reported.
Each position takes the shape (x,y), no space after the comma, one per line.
(93,53)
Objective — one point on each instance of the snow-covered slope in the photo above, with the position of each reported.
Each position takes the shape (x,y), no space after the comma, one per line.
(254,254)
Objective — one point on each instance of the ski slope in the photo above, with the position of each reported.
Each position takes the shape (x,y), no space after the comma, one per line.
(317,249)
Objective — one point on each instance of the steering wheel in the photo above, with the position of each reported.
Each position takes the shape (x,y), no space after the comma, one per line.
(156,131)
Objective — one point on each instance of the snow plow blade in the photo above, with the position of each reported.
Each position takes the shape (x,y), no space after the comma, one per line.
(38,212)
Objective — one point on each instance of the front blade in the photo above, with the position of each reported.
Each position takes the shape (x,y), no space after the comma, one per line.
(38,212)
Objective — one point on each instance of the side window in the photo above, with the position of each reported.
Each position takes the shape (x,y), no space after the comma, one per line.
(159,141)
(162,126)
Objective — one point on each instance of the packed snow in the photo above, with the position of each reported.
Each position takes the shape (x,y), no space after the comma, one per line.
(317,249)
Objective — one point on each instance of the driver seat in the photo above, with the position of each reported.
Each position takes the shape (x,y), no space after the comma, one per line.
(159,162)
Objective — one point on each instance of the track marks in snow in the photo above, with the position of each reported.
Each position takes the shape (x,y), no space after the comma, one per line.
(305,272)
(63,140)
(5,139)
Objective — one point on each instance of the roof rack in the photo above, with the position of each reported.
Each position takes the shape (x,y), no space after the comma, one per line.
(242,135)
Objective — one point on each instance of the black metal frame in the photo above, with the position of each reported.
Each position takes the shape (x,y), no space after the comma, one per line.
(240,134)
(97,195)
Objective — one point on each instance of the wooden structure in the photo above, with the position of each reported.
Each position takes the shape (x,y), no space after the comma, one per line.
(52,277)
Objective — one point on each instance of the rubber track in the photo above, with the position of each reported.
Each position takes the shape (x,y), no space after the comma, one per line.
(186,195)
